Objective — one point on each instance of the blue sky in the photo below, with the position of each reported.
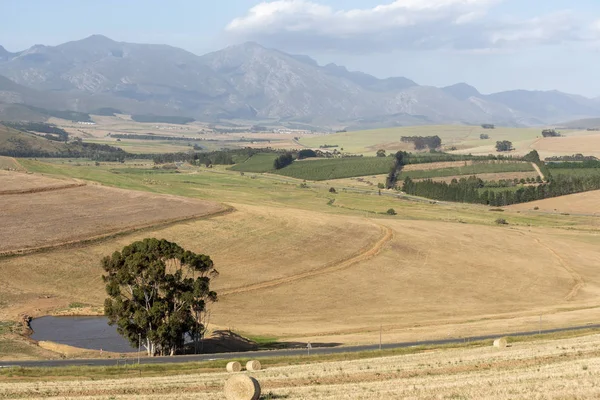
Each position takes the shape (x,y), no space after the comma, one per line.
(492,44)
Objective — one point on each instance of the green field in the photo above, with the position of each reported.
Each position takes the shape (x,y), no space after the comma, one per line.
(337,168)
(475,169)
(580,172)
(262,162)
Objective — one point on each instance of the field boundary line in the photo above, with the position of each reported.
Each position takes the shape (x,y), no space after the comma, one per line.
(112,235)
(363,255)
(41,190)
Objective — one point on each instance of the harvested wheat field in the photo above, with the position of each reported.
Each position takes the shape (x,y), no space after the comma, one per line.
(559,369)
(22,183)
(248,246)
(579,203)
(585,144)
(421,274)
(33,220)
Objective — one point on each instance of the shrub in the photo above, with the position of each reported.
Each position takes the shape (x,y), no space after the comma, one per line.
(391,211)
(332,190)
(501,221)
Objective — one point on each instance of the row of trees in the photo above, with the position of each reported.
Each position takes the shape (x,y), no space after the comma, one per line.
(395,170)
(470,190)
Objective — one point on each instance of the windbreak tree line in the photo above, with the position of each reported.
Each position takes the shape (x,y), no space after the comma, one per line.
(470,190)
(158,294)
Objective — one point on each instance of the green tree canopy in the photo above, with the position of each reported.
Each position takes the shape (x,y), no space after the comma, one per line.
(158,292)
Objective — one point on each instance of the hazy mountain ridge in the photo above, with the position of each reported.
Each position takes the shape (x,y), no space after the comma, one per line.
(249,81)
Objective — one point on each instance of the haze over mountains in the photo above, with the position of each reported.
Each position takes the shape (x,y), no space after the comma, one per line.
(249,81)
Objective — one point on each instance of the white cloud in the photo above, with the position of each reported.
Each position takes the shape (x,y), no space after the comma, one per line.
(403,24)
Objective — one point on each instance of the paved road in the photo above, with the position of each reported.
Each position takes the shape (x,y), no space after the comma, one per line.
(275,353)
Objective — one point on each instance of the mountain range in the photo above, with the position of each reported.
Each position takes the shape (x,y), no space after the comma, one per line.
(251,82)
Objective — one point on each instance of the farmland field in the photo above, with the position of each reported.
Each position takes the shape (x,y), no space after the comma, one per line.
(576,171)
(336,168)
(463,137)
(579,203)
(262,162)
(288,256)
(472,169)
(31,220)
(548,369)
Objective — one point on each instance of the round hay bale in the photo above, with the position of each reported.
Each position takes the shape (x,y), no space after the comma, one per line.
(253,365)
(242,387)
(500,343)
(234,366)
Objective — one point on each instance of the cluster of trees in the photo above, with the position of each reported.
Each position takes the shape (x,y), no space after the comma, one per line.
(53,132)
(283,161)
(550,133)
(328,146)
(422,142)
(488,126)
(162,119)
(158,294)
(306,153)
(399,163)
(484,136)
(470,190)
(504,145)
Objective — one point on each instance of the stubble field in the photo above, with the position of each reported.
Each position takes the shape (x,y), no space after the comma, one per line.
(559,369)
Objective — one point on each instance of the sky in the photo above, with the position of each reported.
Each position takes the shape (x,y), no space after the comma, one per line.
(494,45)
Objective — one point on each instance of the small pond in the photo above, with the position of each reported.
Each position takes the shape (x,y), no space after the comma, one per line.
(85,332)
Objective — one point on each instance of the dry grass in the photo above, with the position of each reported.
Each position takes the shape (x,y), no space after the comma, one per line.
(557,369)
(429,274)
(584,144)
(579,203)
(9,163)
(22,183)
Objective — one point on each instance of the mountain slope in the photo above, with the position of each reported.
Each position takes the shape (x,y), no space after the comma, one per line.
(252,82)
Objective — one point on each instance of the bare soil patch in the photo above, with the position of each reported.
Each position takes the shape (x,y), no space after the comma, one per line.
(20,183)
(35,220)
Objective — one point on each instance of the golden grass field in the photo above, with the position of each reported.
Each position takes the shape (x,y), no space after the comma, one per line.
(545,369)
(587,203)
(287,272)
(300,264)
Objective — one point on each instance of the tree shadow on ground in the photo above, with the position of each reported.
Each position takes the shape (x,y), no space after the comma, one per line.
(225,341)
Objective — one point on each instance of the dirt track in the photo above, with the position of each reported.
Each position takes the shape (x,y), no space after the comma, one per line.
(363,255)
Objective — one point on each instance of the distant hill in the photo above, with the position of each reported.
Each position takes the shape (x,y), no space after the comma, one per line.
(251,82)
(590,123)
(15,143)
